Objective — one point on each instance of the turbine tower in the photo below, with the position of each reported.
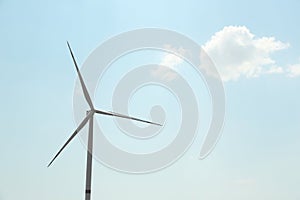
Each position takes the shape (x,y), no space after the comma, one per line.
(90,118)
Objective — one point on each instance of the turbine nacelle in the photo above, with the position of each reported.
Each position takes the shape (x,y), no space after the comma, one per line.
(88,111)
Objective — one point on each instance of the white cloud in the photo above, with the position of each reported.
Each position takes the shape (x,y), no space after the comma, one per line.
(293,70)
(172,60)
(237,52)
(275,70)
(169,60)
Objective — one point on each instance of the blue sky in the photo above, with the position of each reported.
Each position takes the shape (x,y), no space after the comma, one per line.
(257,156)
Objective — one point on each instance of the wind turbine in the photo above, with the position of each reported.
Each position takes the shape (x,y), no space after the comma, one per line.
(90,118)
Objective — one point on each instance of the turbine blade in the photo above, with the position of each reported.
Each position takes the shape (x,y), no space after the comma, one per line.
(85,91)
(81,125)
(125,116)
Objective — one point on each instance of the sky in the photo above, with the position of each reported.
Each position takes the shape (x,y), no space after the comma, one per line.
(255,46)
